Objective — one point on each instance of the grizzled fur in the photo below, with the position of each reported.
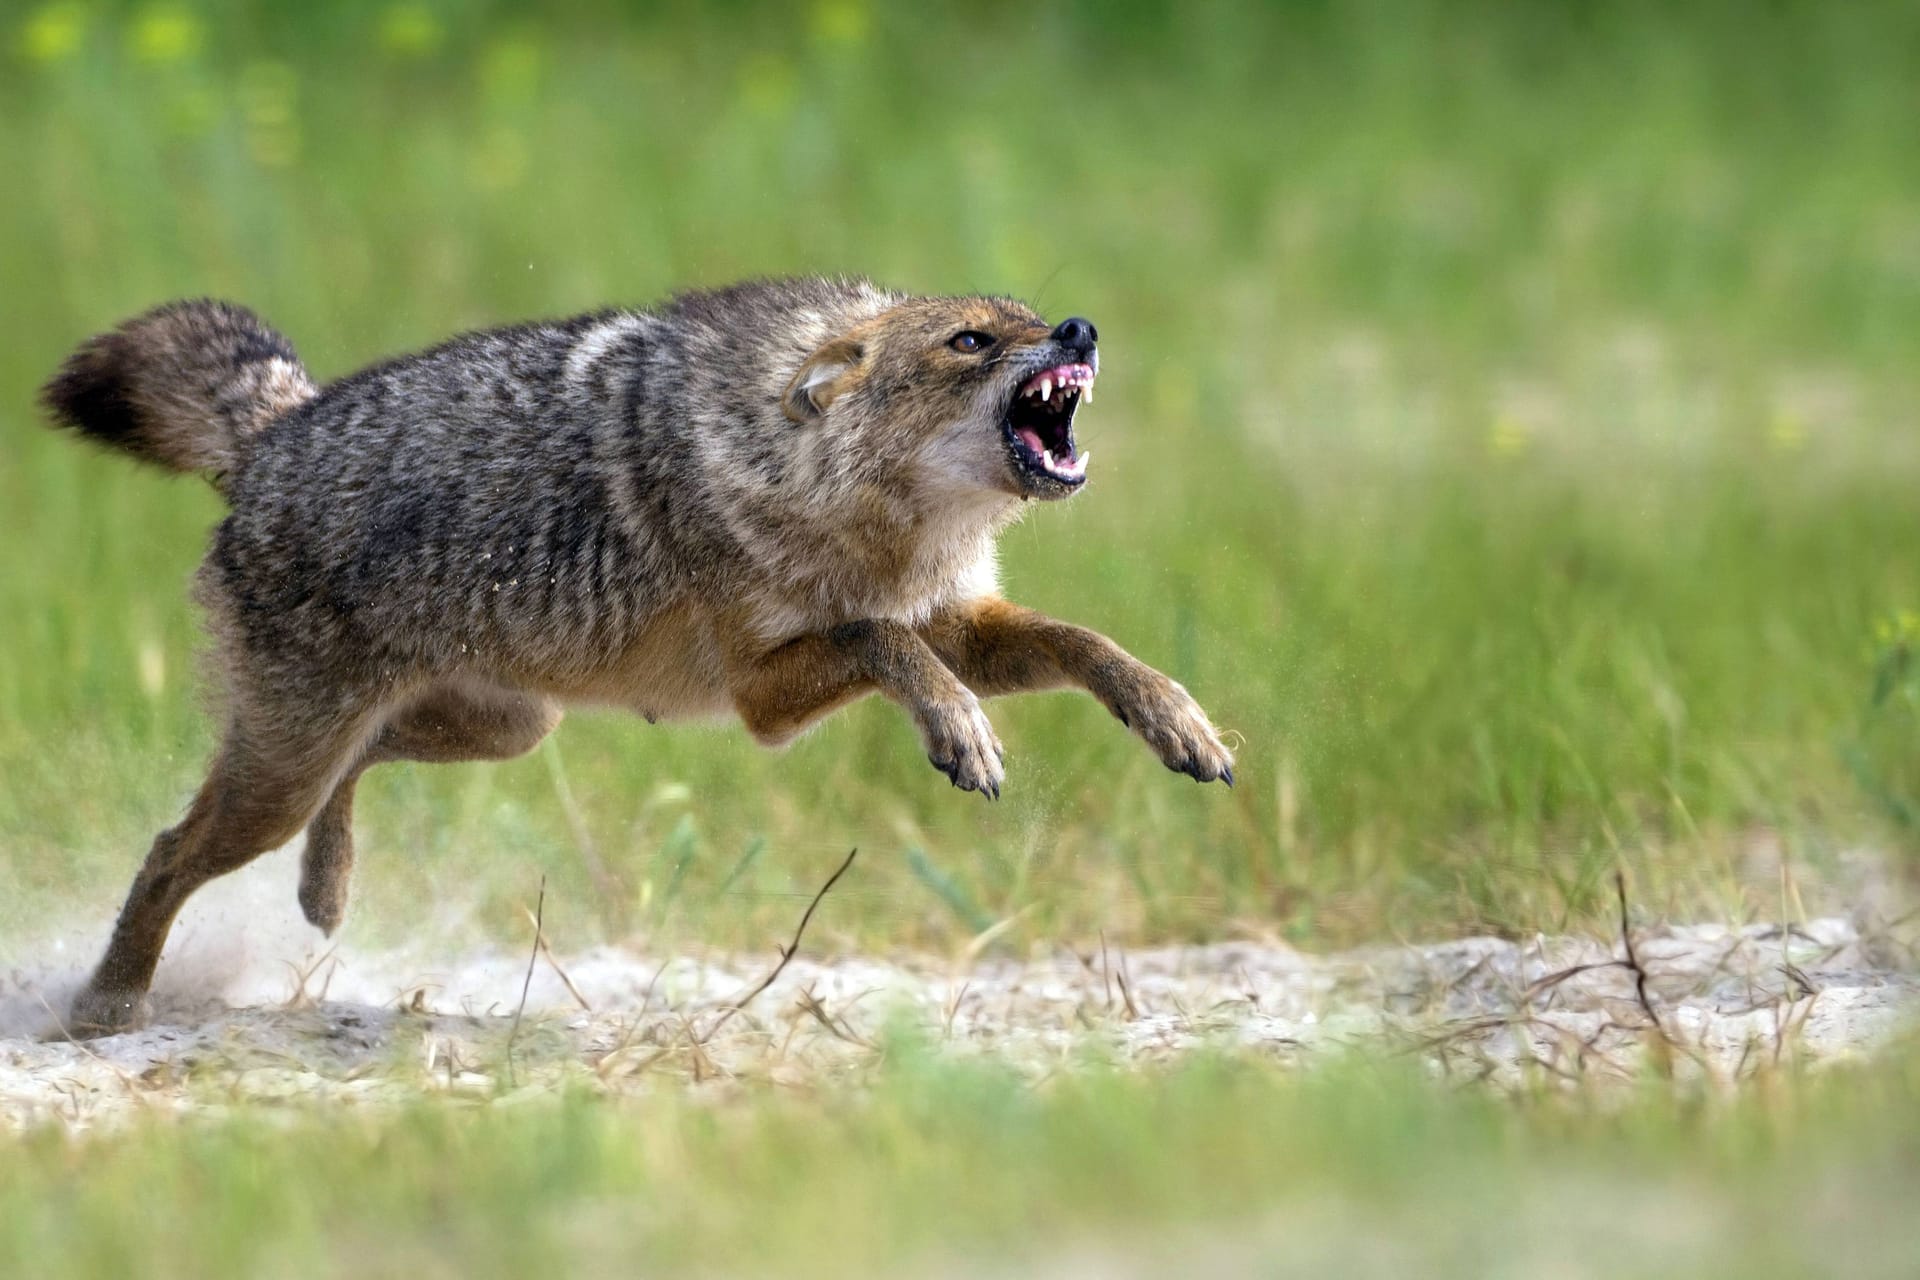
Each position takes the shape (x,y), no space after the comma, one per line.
(763,501)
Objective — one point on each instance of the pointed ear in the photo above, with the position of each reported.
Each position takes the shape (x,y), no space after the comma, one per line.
(824,376)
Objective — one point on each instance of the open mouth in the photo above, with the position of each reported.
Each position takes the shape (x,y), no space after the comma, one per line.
(1039,425)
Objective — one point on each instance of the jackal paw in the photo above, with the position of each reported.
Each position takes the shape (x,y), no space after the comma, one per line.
(961,743)
(104,1011)
(1172,723)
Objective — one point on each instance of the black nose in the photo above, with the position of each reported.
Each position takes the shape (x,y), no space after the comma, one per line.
(1076,333)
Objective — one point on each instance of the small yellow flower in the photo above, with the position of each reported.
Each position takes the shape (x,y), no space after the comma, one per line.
(767,83)
(164,33)
(1899,628)
(410,30)
(152,662)
(1787,433)
(1508,437)
(842,22)
(511,69)
(53,34)
(269,93)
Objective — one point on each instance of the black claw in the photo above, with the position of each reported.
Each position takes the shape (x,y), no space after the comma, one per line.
(1226,776)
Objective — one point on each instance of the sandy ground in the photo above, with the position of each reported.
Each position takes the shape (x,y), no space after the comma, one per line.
(254,1006)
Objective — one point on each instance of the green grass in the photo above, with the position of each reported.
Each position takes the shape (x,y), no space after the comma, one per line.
(1218,1167)
(1508,432)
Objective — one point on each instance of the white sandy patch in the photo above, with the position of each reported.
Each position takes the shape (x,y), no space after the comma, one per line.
(253,1003)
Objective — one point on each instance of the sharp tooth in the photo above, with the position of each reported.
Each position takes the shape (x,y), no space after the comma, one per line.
(1046,388)
(1047,457)
(1080,463)
(1087,395)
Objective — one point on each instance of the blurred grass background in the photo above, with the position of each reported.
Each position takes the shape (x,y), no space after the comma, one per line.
(960,1169)
(1509,434)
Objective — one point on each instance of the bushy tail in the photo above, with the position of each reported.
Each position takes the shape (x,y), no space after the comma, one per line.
(182,385)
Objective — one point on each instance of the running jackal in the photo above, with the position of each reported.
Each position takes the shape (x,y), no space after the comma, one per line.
(766,500)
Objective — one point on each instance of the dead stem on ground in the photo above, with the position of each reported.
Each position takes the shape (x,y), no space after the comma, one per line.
(786,953)
(1716,1005)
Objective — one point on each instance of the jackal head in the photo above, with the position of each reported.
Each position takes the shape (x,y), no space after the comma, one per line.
(967,393)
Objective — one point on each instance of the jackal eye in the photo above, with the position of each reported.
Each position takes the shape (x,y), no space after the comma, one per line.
(968,341)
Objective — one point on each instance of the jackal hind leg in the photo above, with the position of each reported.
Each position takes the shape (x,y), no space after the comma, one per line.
(445,726)
(271,774)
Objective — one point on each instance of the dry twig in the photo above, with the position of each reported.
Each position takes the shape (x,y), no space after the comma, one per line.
(300,999)
(553,963)
(1126,986)
(1668,1046)
(836,1026)
(539,939)
(1633,960)
(786,954)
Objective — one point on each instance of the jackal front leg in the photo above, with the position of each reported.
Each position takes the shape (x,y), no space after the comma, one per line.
(998,647)
(780,692)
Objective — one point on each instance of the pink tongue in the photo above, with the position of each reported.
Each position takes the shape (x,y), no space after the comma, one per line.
(1031,439)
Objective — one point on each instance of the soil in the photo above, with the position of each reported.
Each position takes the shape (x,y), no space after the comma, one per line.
(254,1012)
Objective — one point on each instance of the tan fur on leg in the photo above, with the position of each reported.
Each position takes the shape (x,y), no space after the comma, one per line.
(264,786)
(779,692)
(998,648)
(444,726)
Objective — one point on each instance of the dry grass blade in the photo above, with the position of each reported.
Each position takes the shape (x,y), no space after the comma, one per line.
(1633,959)
(539,940)
(1126,987)
(1667,1046)
(1546,984)
(786,953)
(553,962)
(301,998)
(836,1026)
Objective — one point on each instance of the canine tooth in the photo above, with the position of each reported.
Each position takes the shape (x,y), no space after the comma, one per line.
(1046,388)
(1047,457)
(1080,463)
(1087,395)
